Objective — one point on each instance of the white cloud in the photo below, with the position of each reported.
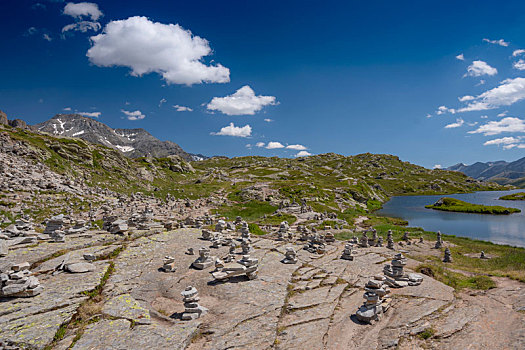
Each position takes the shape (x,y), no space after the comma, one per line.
(83,9)
(268,120)
(518,52)
(503,114)
(429,115)
(166,49)
(135,115)
(303,154)
(163,100)
(260,144)
(82,26)
(67,108)
(459,122)
(508,92)
(242,102)
(508,124)
(519,65)
(466,98)
(437,166)
(503,141)
(481,82)
(179,108)
(46,37)
(274,145)
(443,110)
(479,68)
(249,145)
(460,57)
(499,42)
(484,116)
(90,114)
(296,147)
(232,130)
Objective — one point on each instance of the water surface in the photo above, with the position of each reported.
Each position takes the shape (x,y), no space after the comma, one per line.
(502,229)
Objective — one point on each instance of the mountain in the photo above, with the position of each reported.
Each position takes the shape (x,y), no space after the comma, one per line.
(501,171)
(133,143)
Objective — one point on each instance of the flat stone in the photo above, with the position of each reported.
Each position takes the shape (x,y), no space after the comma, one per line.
(81,267)
(125,306)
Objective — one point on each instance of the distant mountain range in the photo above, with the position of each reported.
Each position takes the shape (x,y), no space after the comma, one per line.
(502,172)
(133,143)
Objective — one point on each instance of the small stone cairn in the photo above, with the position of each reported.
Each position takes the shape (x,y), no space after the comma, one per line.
(221,225)
(206,235)
(395,274)
(284,227)
(246,247)
(55,223)
(406,238)
(363,241)
(348,252)
(19,282)
(169,264)
(204,260)
(483,256)
(376,300)
(373,240)
(379,242)
(439,241)
(192,309)
(329,237)
(245,230)
(448,256)
(389,240)
(290,257)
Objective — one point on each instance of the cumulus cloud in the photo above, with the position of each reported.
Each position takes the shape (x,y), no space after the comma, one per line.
(179,108)
(242,102)
(519,65)
(508,124)
(82,26)
(479,68)
(459,122)
(508,92)
(89,114)
(518,52)
(237,131)
(146,47)
(303,154)
(83,9)
(460,57)
(466,98)
(133,115)
(268,120)
(274,145)
(259,144)
(499,42)
(503,141)
(443,110)
(296,147)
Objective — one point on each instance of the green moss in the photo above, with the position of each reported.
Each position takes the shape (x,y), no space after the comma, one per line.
(455,279)
(456,205)
(427,333)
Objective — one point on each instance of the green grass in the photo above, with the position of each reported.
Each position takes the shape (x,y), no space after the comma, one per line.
(456,205)
(520,196)
(457,280)
(427,333)
(256,230)
(250,211)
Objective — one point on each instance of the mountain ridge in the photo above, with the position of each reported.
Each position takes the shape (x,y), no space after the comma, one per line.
(500,171)
(133,143)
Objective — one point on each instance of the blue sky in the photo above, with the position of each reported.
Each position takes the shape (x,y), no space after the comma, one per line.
(276,78)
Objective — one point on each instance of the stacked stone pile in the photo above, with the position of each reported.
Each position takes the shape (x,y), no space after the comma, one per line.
(19,282)
(290,257)
(348,252)
(113,224)
(169,264)
(55,223)
(376,300)
(395,274)
(204,260)
(439,241)
(192,309)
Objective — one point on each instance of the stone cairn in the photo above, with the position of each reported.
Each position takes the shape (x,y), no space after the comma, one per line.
(204,260)
(448,257)
(169,264)
(190,251)
(55,223)
(376,300)
(245,230)
(192,309)
(246,247)
(373,240)
(284,227)
(379,242)
(221,225)
(216,241)
(389,240)
(113,224)
(329,237)
(439,241)
(483,256)
(251,264)
(290,257)
(406,238)
(395,274)
(348,252)
(231,253)
(363,241)
(206,235)
(19,282)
